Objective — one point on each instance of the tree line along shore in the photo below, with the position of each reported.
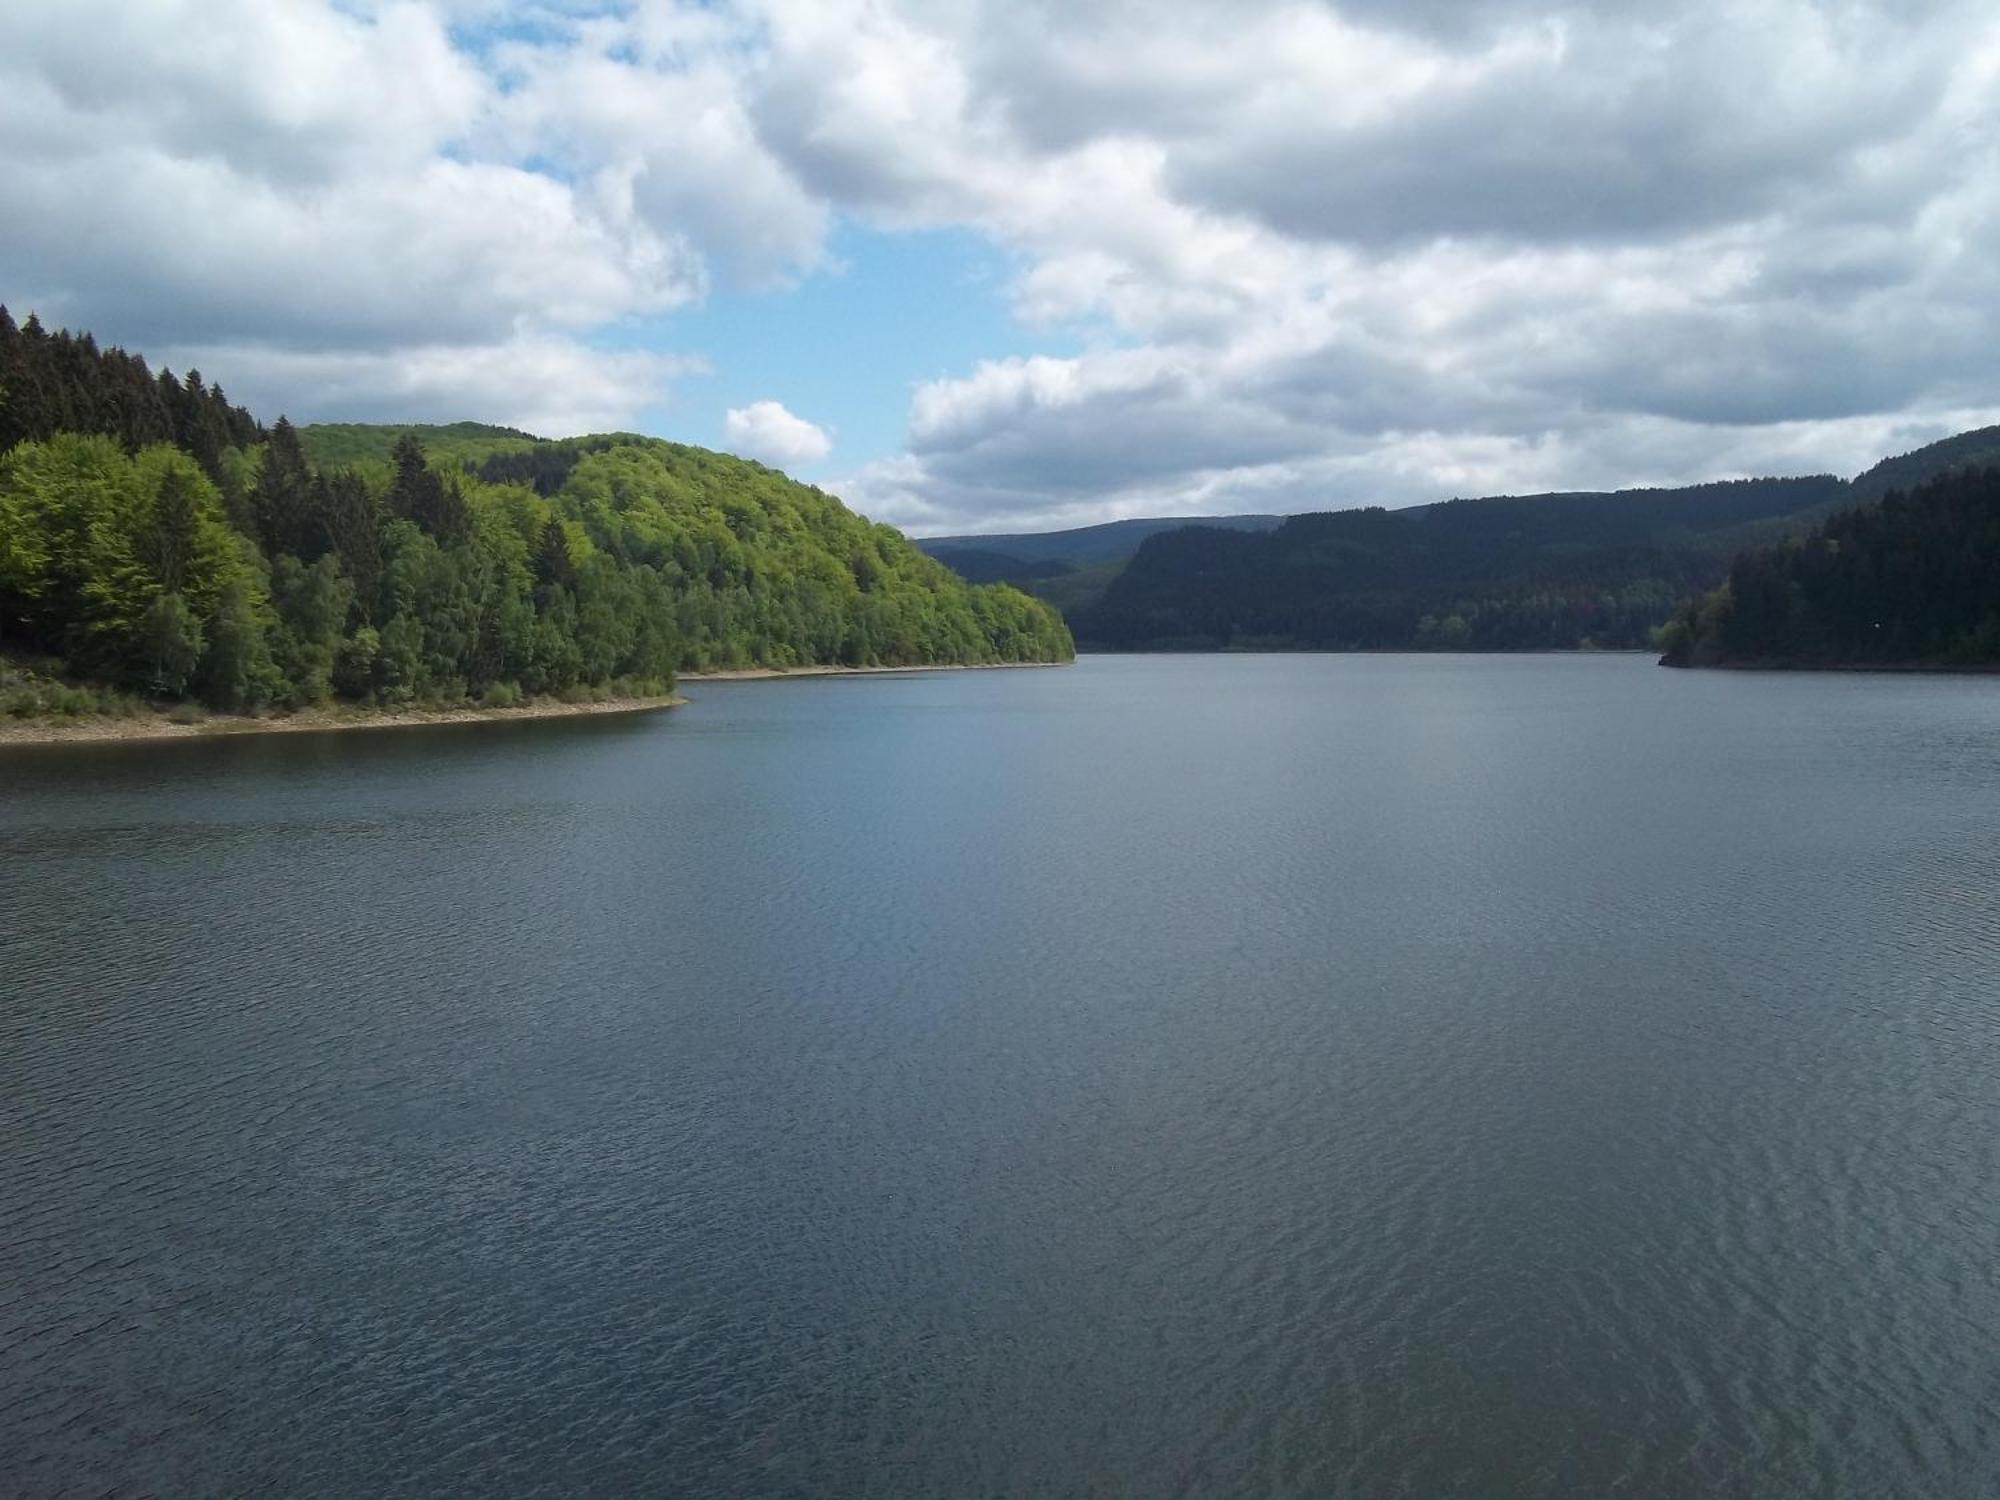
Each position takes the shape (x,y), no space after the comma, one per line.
(163,553)
(170,565)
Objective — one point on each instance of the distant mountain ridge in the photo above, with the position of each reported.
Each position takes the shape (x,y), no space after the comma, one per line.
(1979,448)
(1537,572)
(1068,569)
(1084,545)
(1545,571)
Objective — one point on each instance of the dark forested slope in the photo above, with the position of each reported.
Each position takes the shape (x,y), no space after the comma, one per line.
(1512,573)
(1977,449)
(1913,581)
(158,539)
(1507,573)
(1070,569)
(1082,546)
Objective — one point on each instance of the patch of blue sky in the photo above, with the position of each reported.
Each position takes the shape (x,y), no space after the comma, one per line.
(845,347)
(536,25)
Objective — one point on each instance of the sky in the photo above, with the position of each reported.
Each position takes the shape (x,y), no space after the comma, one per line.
(992,265)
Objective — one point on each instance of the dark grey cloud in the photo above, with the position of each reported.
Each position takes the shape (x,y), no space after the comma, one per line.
(1613,133)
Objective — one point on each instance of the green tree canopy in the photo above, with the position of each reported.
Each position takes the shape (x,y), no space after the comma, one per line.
(157,538)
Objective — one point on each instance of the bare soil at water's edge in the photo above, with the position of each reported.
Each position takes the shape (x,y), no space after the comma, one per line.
(94,728)
(158,726)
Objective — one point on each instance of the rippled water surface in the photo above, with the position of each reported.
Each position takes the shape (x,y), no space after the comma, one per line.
(1288,1075)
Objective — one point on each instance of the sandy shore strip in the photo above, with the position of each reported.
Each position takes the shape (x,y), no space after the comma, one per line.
(305,721)
(93,729)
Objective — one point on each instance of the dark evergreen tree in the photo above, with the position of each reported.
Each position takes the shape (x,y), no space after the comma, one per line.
(354,529)
(64,382)
(410,486)
(168,546)
(29,413)
(14,426)
(431,501)
(281,505)
(552,561)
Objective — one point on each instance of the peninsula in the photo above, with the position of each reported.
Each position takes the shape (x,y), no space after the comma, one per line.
(1911,583)
(162,553)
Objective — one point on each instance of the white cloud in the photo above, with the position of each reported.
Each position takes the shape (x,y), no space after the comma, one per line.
(1367,254)
(289,186)
(1303,254)
(655,116)
(764,430)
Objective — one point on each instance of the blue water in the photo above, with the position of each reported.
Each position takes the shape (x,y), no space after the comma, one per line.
(1164,1076)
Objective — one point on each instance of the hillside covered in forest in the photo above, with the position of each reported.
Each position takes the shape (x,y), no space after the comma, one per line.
(1913,581)
(1522,573)
(1534,572)
(157,540)
(1044,554)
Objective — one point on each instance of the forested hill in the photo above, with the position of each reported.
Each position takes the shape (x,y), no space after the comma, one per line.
(1913,581)
(155,538)
(1512,573)
(371,447)
(1071,569)
(1080,546)
(1979,448)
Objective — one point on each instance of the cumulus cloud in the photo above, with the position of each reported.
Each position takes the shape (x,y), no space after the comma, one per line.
(289,186)
(1581,128)
(764,430)
(1368,254)
(1299,253)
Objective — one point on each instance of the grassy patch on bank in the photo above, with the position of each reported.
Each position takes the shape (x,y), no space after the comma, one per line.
(36,690)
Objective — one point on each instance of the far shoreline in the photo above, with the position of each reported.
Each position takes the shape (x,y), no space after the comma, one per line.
(765,674)
(1835,668)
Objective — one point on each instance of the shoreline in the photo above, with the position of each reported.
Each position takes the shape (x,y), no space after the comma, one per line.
(1366,651)
(1861,668)
(103,730)
(764,674)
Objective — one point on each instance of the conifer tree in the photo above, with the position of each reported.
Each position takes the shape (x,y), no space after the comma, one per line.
(13,379)
(421,495)
(280,504)
(195,432)
(347,511)
(168,545)
(553,563)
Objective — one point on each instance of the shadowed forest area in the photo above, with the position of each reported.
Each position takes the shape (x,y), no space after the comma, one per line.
(1911,582)
(1894,565)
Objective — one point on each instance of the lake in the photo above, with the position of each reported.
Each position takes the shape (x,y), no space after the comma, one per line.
(1293,1075)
